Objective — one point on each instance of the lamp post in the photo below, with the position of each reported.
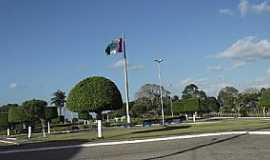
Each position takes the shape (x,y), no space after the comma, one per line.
(160,89)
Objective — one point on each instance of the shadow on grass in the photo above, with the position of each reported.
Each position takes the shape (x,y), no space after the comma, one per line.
(166,128)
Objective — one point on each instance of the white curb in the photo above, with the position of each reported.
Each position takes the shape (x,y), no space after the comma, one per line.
(9,142)
(87,145)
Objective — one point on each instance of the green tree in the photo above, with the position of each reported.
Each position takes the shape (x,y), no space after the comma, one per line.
(175,98)
(189,105)
(192,91)
(6,107)
(227,97)
(35,109)
(50,113)
(141,107)
(59,100)
(17,115)
(84,115)
(94,94)
(212,104)
(4,120)
(264,100)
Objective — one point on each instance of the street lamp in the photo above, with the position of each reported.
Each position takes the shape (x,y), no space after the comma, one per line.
(160,88)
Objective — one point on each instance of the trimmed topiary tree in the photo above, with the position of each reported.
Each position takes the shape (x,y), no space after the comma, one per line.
(50,113)
(94,94)
(190,105)
(35,109)
(4,121)
(16,115)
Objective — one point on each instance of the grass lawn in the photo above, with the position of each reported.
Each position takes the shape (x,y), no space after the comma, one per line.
(158,131)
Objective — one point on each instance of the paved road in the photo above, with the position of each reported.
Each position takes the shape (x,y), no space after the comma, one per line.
(243,147)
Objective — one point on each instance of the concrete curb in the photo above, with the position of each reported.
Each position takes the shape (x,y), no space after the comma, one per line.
(86,145)
(9,142)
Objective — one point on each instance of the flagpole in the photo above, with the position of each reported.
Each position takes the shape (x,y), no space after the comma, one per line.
(126,80)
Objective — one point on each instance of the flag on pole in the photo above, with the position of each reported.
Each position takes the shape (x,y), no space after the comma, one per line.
(116,46)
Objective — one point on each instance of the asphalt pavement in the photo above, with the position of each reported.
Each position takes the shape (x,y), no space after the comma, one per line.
(228,147)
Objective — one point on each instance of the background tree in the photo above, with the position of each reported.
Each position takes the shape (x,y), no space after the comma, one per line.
(141,108)
(94,94)
(151,91)
(85,116)
(59,101)
(35,109)
(192,91)
(264,100)
(212,104)
(227,98)
(175,98)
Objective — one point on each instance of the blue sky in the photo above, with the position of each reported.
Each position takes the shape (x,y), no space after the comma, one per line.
(53,44)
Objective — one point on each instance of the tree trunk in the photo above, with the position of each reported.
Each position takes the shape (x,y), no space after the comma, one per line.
(43,127)
(264,111)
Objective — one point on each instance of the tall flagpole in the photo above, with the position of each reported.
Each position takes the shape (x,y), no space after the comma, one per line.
(126,79)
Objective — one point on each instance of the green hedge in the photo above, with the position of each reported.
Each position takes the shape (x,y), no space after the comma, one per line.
(3,120)
(51,113)
(190,105)
(17,115)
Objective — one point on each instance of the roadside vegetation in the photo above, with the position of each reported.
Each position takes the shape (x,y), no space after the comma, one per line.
(97,100)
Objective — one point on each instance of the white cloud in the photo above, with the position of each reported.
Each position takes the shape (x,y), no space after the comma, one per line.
(245,7)
(238,64)
(246,50)
(263,82)
(226,12)
(268,71)
(215,68)
(120,63)
(188,81)
(12,85)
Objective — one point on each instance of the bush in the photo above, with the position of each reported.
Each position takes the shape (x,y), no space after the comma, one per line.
(3,120)
(17,115)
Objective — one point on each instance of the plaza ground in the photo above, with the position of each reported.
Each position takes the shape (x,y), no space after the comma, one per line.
(112,134)
(228,147)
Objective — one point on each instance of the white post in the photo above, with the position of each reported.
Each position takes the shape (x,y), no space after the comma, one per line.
(108,120)
(171,106)
(194,117)
(8,132)
(49,127)
(29,131)
(186,116)
(99,129)
(126,79)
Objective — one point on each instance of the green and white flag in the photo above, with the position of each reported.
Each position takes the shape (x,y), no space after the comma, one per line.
(116,46)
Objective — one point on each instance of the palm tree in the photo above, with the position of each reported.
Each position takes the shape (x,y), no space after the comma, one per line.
(59,100)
